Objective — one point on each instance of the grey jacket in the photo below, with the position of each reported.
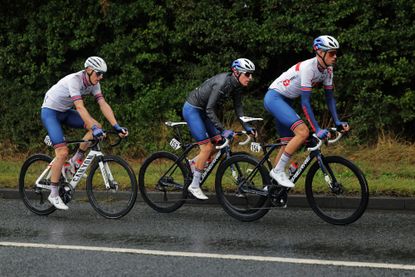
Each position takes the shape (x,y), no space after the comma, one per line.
(211,95)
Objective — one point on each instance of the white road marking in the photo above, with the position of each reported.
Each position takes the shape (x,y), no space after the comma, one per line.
(210,255)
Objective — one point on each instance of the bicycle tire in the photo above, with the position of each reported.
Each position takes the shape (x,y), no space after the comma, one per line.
(35,199)
(244,206)
(168,194)
(118,200)
(344,206)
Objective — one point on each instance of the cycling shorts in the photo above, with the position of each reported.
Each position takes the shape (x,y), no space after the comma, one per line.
(52,120)
(286,119)
(201,127)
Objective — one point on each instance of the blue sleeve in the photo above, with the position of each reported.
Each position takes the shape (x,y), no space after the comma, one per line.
(331,104)
(306,105)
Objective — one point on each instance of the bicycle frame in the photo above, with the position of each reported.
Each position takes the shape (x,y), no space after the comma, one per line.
(315,152)
(188,147)
(95,152)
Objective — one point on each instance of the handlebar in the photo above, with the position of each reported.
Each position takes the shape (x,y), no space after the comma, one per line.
(240,133)
(93,141)
(329,141)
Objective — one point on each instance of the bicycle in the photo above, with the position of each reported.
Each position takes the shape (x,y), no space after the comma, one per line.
(164,177)
(111,184)
(336,189)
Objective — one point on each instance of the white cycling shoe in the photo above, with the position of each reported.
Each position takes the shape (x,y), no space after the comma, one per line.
(57,202)
(281,178)
(198,193)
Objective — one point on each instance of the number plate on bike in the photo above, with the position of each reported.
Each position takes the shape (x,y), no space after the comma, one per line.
(256,147)
(175,144)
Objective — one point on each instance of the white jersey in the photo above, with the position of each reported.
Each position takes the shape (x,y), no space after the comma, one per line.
(70,88)
(302,77)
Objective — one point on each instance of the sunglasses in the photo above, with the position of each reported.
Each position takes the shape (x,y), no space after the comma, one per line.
(332,53)
(99,73)
(247,74)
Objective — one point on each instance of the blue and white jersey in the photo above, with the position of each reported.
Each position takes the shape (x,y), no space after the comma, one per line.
(73,87)
(303,77)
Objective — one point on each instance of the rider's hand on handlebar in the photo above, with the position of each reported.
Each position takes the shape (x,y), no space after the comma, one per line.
(323,134)
(252,131)
(97,132)
(122,131)
(228,134)
(342,126)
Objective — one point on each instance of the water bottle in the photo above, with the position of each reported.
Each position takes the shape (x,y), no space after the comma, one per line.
(293,168)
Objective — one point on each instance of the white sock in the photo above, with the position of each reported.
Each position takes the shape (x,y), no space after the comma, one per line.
(285,158)
(79,155)
(196,179)
(54,190)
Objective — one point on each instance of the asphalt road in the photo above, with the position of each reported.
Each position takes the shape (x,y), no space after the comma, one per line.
(201,240)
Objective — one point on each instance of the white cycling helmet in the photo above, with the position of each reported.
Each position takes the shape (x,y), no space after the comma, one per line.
(96,63)
(325,43)
(243,65)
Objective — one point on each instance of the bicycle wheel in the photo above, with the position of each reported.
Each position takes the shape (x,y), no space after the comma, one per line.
(347,200)
(116,200)
(239,184)
(36,198)
(162,182)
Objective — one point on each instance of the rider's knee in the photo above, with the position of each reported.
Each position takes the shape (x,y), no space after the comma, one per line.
(302,132)
(62,152)
(207,148)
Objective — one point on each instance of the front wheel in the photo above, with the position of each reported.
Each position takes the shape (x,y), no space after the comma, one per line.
(340,194)
(111,187)
(239,188)
(162,182)
(36,169)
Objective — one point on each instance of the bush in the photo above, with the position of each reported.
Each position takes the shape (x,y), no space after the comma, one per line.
(158,51)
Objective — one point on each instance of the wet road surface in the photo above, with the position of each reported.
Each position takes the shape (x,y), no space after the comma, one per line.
(201,240)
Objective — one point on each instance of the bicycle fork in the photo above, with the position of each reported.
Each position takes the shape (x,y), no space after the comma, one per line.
(109,181)
(329,177)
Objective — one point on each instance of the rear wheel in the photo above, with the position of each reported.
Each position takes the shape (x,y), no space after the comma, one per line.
(239,188)
(162,182)
(339,196)
(36,198)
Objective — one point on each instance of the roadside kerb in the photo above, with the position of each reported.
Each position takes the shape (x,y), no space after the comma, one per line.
(377,203)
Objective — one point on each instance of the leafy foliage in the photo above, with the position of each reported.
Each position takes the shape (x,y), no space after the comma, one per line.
(158,51)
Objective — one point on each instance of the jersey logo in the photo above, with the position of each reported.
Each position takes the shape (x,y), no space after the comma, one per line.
(286,82)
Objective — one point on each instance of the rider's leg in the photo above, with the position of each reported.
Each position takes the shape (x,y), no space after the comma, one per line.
(196,121)
(74,120)
(301,134)
(52,120)
(290,127)
(194,188)
(61,156)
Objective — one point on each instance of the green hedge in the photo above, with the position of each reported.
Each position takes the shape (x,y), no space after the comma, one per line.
(158,51)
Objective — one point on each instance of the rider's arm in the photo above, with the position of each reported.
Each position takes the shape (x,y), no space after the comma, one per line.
(239,111)
(211,109)
(308,111)
(107,111)
(83,112)
(331,104)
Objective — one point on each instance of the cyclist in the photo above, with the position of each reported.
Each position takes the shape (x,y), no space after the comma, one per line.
(299,81)
(200,113)
(57,109)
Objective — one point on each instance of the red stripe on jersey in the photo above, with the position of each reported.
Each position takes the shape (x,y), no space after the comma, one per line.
(77,97)
(99,96)
(297,66)
(308,118)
